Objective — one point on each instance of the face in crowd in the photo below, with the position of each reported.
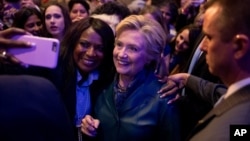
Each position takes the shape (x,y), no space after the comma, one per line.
(54,21)
(78,12)
(27,3)
(182,41)
(166,13)
(138,45)
(33,25)
(92,46)
(88,53)
(129,53)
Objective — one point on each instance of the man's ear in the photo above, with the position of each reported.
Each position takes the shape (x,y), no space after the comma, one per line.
(241,46)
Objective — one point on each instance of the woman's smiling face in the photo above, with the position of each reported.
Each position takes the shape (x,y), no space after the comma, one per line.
(88,53)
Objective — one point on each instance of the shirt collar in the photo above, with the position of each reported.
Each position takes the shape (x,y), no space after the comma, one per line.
(94,75)
(236,86)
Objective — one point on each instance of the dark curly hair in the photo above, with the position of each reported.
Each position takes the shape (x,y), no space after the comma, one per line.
(111,8)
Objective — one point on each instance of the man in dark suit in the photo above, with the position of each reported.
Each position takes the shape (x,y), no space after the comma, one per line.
(227,48)
(209,40)
(31,109)
(192,107)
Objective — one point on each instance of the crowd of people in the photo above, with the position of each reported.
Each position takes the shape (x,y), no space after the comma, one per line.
(167,70)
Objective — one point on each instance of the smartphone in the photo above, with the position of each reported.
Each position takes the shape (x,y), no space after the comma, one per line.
(43,53)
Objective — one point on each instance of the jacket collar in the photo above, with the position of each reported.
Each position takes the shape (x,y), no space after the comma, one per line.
(239,97)
(137,89)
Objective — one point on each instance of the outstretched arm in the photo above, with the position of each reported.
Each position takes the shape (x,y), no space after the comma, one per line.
(204,89)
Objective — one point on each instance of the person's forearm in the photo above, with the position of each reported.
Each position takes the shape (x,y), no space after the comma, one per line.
(204,89)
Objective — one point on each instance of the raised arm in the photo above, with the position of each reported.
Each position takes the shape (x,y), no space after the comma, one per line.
(206,90)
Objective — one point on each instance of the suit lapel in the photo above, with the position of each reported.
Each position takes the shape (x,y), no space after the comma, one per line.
(238,97)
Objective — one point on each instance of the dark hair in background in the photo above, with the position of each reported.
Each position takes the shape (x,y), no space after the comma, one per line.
(72,37)
(38,2)
(111,8)
(157,15)
(82,2)
(194,33)
(65,13)
(22,15)
(173,7)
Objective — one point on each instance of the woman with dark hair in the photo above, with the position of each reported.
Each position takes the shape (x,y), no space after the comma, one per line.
(78,9)
(111,12)
(29,19)
(154,13)
(56,20)
(182,47)
(85,67)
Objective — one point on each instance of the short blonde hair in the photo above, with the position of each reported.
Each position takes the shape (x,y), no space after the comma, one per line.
(152,32)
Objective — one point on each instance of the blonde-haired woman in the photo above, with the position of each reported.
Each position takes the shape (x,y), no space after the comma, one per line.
(130,109)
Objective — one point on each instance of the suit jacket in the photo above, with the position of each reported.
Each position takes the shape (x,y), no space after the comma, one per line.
(215,125)
(31,109)
(208,91)
(193,107)
(142,117)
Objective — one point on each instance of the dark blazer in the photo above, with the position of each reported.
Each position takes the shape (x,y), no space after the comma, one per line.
(193,107)
(66,83)
(206,90)
(215,125)
(142,117)
(31,109)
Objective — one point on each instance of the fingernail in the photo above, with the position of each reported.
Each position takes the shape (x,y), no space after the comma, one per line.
(31,44)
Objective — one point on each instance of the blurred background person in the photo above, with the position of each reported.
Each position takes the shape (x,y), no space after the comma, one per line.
(29,19)
(188,10)
(96,3)
(152,12)
(78,9)
(93,4)
(32,3)
(182,47)
(111,13)
(134,6)
(10,7)
(169,11)
(56,20)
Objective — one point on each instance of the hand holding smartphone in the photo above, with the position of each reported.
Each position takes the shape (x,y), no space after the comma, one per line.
(44,51)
